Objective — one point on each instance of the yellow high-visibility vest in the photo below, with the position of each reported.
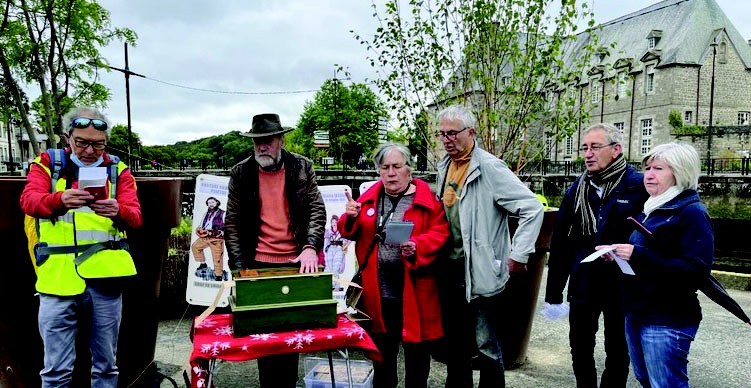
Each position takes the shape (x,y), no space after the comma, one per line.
(61,256)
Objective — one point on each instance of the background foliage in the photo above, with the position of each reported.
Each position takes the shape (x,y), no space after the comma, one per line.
(505,59)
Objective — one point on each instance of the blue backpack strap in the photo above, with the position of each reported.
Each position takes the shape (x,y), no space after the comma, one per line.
(57,163)
(112,170)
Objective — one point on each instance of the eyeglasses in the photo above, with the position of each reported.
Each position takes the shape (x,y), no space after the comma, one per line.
(84,144)
(84,122)
(596,147)
(451,135)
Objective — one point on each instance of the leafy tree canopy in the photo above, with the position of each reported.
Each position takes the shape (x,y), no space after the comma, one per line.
(45,44)
(352,115)
(500,58)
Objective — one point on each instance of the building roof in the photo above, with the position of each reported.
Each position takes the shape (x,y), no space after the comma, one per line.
(684,29)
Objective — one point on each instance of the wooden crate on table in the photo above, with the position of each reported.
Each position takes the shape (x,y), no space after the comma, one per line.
(274,300)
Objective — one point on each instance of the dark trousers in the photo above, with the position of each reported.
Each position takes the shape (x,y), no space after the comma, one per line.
(416,355)
(464,326)
(583,322)
(278,371)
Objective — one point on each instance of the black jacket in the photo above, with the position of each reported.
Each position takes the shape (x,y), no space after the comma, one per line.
(598,281)
(241,224)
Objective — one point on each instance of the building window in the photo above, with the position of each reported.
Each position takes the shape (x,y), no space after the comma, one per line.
(743,118)
(621,84)
(571,92)
(619,127)
(651,43)
(722,53)
(549,142)
(595,90)
(569,145)
(650,80)
(646,136)
(688,117)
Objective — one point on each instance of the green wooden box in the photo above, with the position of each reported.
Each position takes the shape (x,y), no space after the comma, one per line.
(272,289)
(279,317)
(278,300)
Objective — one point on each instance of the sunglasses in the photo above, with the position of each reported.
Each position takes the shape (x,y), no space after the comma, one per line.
(84,122)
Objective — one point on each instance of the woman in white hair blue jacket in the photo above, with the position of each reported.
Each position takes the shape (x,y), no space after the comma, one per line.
(671,256)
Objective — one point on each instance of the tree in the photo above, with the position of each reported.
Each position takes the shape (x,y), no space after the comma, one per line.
(47,43)
(502,58)
(118,141)
(351,114)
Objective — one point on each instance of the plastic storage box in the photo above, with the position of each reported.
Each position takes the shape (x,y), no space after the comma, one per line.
(318,373)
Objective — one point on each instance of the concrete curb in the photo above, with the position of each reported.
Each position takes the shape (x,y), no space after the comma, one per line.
(733,280)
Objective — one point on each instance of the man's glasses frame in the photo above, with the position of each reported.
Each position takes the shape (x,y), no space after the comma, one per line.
(84,122)
(451,135)
(595,147)
(84,144)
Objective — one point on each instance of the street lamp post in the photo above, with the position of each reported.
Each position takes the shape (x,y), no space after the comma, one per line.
(710,129)
(126,71)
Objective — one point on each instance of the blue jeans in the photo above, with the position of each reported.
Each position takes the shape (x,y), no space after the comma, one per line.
(95,311)
(659,354)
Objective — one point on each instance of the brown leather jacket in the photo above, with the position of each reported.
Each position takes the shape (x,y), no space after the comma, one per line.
(241,223)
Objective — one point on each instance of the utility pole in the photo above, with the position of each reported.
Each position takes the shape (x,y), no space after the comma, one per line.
(126,71)
(710,129)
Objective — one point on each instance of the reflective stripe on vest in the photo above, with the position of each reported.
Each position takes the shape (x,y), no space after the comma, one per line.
(58,273)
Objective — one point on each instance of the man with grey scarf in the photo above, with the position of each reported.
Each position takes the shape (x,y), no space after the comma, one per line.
(594,212)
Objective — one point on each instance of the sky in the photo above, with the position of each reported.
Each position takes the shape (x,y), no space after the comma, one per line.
(211,66)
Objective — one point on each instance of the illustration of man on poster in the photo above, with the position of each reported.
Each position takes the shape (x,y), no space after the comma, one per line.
(210,235)
(334,247)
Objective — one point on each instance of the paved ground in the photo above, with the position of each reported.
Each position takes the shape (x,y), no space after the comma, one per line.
(719,358)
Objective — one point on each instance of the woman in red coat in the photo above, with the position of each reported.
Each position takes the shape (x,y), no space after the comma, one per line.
(399,283)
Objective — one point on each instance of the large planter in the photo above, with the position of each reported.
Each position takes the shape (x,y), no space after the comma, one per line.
(519,299)
(21,350)
(20,344)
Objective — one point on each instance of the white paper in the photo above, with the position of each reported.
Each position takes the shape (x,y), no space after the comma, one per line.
(597,254)
(92,177)
(622,264)
(625,266)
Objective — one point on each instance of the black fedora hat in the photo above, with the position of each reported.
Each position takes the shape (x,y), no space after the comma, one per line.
(266,124)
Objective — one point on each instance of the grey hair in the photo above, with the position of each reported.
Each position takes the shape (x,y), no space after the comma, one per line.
(459,113)
(87,112)
(683,160)
(613,134)
(384,149)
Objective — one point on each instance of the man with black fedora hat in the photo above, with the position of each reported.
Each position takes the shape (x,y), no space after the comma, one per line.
(275,218)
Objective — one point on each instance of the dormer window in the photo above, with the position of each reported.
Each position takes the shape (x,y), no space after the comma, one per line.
(722,52)
(602,53)
(653,38)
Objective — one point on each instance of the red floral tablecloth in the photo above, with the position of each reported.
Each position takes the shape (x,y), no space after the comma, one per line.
(212,339)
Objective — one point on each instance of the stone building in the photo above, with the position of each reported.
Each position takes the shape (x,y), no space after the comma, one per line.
(676,55)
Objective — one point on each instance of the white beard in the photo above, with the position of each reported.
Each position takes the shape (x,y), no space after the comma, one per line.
(266,161)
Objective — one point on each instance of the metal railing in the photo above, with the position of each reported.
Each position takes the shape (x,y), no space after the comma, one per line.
(714,166)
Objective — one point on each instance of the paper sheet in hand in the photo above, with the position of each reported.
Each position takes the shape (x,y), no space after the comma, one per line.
(625,266)
(622,264)
(597,254)
(92,176)
(398,232)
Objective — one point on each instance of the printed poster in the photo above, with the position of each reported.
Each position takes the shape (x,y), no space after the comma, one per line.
(338,253)
(208,264)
